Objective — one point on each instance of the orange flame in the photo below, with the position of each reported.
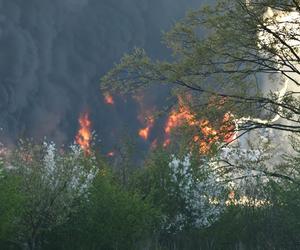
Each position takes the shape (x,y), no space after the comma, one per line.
(177,119)
(84,135)
(209,135)
(144,133)
(108,98)
(228,127)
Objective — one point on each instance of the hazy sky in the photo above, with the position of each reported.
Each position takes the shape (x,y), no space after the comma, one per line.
(53,53)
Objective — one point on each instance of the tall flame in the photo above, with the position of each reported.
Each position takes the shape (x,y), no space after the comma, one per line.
(84,135)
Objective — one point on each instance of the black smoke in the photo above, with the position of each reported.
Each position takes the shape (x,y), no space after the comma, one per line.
(53,53)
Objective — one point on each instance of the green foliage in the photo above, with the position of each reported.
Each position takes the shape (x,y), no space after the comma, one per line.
(114,217)
(207,63)
(274,226)
(67,200)
(111,219)
(11,204)
(224,49)
(181,188)
(46,204)
(124,159)
(153,181)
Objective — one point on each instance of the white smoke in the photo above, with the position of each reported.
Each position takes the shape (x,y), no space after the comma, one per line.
(287,26)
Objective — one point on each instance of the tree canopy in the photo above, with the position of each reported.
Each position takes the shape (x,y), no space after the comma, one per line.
(245,52)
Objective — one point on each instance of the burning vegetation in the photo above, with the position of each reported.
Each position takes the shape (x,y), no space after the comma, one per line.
(84,135)
(145,132)
(109,99)
(206,134)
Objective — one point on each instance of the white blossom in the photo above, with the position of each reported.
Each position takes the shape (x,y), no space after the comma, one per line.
(197,195)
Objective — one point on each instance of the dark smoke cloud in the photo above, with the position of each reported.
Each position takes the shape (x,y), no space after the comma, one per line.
(53,53)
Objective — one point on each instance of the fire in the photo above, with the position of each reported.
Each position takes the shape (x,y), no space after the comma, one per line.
(208,135)
(110,154)
(84,135)
(108,98)
(228,127)
(177,119)
(144,133)
(145,115)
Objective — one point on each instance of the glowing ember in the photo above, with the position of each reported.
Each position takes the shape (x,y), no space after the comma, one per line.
(108,98)
(167,142)
(84,135)
(110,154)
(144,133)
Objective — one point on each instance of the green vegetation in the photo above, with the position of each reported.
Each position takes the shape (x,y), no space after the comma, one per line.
(170,203)
(231,197)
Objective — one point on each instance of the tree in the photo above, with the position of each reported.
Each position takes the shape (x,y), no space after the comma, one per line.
(233,50)
(124,157)
(275,226)
(11,202)
(186,191)
(236,58)
(52,185)
(112,218)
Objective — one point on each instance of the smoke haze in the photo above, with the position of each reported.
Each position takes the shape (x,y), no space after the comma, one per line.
(53,54)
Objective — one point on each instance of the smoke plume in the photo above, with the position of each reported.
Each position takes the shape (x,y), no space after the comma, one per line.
(53,54)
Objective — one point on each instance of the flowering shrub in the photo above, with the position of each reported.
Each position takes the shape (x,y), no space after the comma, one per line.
(246,164)
(200,193)
(53,183)
(78,170)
